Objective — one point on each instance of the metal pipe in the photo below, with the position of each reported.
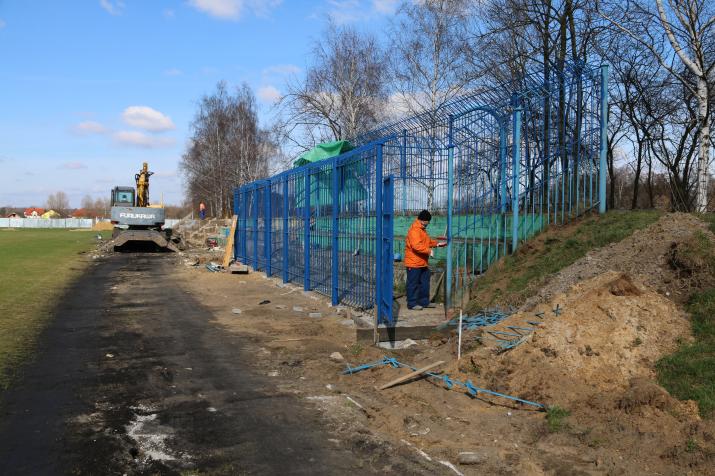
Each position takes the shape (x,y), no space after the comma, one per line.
(604,141)
(516,161)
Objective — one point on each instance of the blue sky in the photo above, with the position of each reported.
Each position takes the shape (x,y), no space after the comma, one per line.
(90,89)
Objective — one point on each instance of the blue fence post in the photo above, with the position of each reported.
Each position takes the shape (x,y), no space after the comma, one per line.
(516,162)
(268,224)
(244,231)
(386,249)
(306,231)
(335,250)
(256,209)
(237,212)
(503,199)
(602,168)
(378,234)
(286,236)
(502,163)
(403,170)
(450,204)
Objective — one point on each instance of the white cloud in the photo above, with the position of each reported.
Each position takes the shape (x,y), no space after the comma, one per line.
(139,139)
(89,127)
(385,6)
(112,7)
(2,24)
(232,9)
(281,69)
(226,9)
(173,72)
(169,13)
(269,94)
(144,117)
(346,11)
(73,165)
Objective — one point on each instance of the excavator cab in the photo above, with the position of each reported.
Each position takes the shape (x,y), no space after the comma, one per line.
(122,197)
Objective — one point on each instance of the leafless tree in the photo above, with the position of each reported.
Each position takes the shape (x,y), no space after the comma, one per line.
(58,202)
(227,148)
(430,60)
(343,92)
(688,27)
(430,67)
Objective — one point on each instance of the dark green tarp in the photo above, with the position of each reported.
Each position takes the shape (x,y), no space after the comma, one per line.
(321,190)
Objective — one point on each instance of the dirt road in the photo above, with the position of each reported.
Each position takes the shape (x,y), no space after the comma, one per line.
(135,376)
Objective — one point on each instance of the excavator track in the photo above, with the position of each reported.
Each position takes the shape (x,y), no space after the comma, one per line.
(129,239)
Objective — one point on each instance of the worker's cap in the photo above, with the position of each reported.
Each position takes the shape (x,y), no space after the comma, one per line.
(424,216)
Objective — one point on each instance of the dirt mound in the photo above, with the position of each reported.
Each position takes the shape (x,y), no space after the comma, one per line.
(644,393)
(647,255)
(610,330)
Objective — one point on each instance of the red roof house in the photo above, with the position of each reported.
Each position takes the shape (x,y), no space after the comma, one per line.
(34,212)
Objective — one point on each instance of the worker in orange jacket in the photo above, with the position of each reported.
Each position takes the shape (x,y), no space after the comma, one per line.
(418,248)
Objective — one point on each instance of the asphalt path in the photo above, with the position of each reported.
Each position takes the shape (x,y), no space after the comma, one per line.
(132,376)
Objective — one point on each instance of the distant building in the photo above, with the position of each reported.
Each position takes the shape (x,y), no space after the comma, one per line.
(34,212)
(81,213)
(14,215)
(51,214)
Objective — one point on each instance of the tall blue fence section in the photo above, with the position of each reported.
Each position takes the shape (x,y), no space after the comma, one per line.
(326,226)
(494,168)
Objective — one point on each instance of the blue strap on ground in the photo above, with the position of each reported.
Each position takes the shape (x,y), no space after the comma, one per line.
(484,318)
(445,379)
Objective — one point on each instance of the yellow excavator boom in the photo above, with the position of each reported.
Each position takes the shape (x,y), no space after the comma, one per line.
(142,179)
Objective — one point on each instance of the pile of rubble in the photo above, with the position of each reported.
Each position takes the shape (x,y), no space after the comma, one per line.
(194,233)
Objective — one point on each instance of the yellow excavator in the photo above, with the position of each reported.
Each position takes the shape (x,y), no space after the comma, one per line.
(137,223)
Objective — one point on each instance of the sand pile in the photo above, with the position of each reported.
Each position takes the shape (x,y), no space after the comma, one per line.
(645,255)
(611,330)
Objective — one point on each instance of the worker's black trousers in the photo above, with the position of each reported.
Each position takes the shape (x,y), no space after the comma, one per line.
(417,287)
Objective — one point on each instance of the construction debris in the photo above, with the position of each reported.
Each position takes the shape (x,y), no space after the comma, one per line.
(448,382)
(238,268)
(411,375)
(213,267)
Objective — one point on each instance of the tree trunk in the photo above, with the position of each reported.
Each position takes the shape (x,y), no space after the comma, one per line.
(637,178)
(701,189)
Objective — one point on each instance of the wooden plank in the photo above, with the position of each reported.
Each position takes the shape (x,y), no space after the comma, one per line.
(228,253)
(389,334)
(410,375)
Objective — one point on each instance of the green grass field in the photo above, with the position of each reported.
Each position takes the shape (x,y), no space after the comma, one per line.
(35,268)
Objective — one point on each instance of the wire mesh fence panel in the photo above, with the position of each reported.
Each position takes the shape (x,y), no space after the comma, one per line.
(261,193)
(251,205)
(297,204)
(277,224)
(356,227)
(321,225)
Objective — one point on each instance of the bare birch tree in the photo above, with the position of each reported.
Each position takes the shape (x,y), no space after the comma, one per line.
(689,27)
(343,92)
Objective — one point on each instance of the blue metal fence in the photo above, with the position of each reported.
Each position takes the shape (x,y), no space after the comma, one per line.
(494,168)
(322,226)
